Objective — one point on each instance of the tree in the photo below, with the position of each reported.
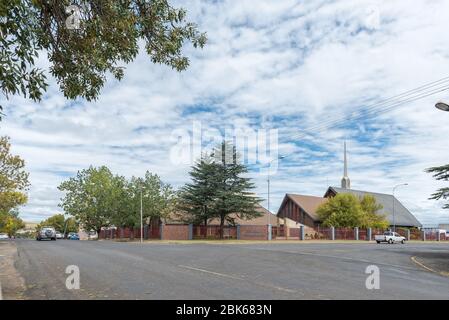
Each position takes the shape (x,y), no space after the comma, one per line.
(219,190)
(372,218)
(343,210)
(59,222)
(10,224)
(13,178)
(197,198)
(158,200)
(348,210)
(90,197)
(87,41)
(440,173)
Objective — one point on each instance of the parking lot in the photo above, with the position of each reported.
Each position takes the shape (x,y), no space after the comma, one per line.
(114,270)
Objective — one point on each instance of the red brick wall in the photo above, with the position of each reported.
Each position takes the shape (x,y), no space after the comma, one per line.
(175,232)
(253,232)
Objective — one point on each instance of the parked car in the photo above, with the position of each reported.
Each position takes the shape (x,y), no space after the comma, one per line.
(390,237)
(59,235)
(3,236)
(92,235)
(46,233)
(73,236)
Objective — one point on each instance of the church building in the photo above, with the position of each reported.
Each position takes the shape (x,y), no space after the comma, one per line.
(302,208)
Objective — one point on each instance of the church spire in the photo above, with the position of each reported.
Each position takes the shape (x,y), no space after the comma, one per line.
(345,182)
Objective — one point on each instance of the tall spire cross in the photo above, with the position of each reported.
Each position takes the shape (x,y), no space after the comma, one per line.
(345,182)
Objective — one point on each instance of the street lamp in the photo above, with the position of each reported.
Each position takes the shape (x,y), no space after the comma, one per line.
(268,180)
(394,188)
(442,106)
(141,216)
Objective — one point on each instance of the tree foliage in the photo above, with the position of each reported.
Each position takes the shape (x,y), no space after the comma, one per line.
(13,185)
(219,189)
(60,223)
(440,173)
(97,198)
(10,223)
(347,210)
(89,197)
(108,37)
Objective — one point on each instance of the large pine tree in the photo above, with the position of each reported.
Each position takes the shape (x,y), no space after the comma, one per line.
(440,173)
(219,189)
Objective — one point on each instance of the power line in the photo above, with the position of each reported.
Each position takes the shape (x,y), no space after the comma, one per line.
(382,106)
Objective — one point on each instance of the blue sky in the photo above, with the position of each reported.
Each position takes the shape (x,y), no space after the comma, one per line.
(269,65)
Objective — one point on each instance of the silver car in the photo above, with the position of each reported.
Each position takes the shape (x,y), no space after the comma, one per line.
(46,233)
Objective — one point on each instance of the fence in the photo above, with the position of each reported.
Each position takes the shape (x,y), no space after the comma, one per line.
(322,234)
(344,234)
(260,232)
(213,232)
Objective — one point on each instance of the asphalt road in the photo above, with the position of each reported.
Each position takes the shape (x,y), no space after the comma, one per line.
(112,270)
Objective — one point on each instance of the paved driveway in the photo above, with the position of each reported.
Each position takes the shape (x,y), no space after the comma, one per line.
(112,270)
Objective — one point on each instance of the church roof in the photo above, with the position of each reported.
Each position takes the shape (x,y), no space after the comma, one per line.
(308,203)
(403,216)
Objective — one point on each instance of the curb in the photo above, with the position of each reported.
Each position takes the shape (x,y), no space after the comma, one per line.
(422,265)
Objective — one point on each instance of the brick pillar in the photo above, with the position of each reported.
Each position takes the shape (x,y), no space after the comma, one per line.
(190,231)
(423,235)
(269,229)
(332,233)
(369,234)
(356,233)
(301,233)
(408,234)
(162,231)
(438,235)
(238,232)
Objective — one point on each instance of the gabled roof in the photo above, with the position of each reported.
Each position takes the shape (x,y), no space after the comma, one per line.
(308,203)
(403,217)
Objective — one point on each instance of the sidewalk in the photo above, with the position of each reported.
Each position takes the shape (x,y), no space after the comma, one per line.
(11,283)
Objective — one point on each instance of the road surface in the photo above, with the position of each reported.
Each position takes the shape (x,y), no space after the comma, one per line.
(114,270)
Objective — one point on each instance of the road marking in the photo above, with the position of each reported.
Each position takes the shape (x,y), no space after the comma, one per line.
(335,257)
(239,278)
(399,271)
(211,272)
(421,265)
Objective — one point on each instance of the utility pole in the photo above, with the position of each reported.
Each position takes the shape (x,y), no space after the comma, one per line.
(141,217)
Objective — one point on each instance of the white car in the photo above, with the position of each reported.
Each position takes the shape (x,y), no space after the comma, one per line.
(3,236)
(59,235)
(92,235)
(390,237)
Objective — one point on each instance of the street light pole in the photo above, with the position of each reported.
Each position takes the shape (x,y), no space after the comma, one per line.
(394,188)
(141,217)
(268,184)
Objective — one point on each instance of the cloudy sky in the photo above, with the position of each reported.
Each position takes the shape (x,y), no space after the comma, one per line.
(314,72)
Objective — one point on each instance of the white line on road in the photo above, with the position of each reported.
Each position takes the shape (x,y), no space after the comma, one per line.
(335,257)
(239,278)
(211,272)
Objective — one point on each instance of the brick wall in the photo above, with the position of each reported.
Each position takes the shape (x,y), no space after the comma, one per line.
(253,232)
(175,232)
